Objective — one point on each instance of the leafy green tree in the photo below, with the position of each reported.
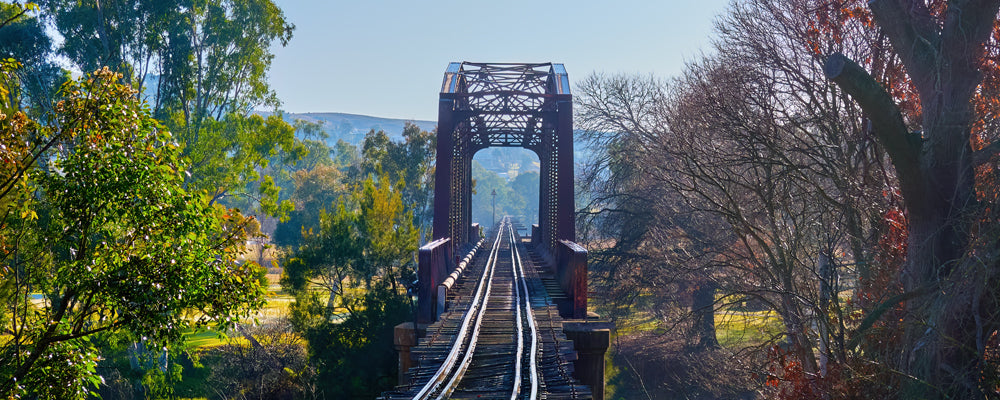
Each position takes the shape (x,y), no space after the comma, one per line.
(314,139)
(226,155)
(206,63)
(310,183)
(507,201)
(527,187)
(409,161)
(315,189)
(99,235)
(363,248)
(23,39)
(346,155)
(128,37)
(355,358)
(205,58)
(368,236)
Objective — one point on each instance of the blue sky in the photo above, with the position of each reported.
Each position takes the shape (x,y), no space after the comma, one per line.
(387,58)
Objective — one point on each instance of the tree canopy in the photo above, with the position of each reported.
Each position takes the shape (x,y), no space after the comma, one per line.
(104,229)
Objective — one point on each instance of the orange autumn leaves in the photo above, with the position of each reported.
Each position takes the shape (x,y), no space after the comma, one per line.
(831,23)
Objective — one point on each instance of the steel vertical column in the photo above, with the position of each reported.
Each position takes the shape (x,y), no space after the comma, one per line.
(565,202)
(544,191)
(442,171)
(459,185)
(463,227)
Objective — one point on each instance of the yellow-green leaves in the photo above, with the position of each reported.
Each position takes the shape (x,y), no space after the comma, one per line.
(108,232)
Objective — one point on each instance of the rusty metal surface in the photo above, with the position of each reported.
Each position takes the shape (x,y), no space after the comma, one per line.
(571,273)
(434,264)
(504,105)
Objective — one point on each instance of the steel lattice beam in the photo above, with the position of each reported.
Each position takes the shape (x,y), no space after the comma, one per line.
(504,105)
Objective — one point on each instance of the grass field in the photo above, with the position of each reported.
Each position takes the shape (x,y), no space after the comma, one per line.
(741,328)
(204,339)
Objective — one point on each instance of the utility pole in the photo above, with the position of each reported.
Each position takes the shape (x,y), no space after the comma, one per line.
(494,194)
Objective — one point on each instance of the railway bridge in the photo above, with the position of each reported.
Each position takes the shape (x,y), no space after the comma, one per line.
(498,315)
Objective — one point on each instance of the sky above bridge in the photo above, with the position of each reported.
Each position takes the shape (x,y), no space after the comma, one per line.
(387,58)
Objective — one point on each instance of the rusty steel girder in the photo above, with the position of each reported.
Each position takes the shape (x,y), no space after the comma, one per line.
(504,105)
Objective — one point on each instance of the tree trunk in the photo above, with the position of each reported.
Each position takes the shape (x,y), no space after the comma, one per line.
(703,308)
(940,352)
(795,327)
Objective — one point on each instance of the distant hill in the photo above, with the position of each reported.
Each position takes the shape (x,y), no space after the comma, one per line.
(352,127)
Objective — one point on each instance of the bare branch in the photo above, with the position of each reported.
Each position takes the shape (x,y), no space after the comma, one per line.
(913,32)
(986,154)
(967,25)
(887,121)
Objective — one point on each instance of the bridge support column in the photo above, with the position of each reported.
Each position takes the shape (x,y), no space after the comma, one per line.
(591,341)
(565,227)
(474,233)
(404,337)
(570,268)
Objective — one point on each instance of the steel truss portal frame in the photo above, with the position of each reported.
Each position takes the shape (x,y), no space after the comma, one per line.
(504,105)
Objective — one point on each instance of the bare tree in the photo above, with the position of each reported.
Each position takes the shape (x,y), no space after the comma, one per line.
(949,276)
(750,177)
(818,200)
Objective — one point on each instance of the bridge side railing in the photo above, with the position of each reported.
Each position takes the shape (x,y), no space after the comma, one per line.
(569,266)
(434,260)
(446,285)
(571,273)
(438,269)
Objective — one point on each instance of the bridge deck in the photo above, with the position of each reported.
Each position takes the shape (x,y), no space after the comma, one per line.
(492,371)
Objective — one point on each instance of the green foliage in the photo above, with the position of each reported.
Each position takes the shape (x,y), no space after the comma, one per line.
(519,197)
(226,157)
(315,190)
(362,248)
(23,38)
(388,236)
(106,231)
(526,187)
(208,57)
(319,154)
(354,358)
(328,256)
(206,62)
(368,236)
(409,161)
(347,155)
(129,368)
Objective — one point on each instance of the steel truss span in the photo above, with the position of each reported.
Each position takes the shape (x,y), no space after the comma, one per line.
(504,105)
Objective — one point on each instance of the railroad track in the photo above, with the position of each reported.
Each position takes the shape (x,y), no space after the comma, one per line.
(500,339)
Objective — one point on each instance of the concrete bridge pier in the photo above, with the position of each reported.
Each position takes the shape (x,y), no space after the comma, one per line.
(591,340)
(404,338)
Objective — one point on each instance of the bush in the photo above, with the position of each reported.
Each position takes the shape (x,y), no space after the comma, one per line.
(266,362)
(355,358)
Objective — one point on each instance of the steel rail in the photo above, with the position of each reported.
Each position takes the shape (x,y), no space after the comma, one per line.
(477,309)
(448,376)
(519,354)
(470,350)
(522,286)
